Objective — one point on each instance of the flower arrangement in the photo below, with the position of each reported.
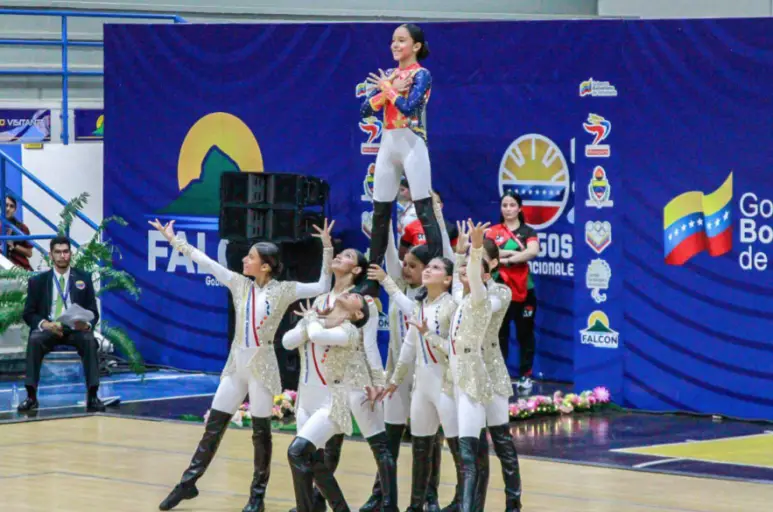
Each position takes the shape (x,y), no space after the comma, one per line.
(539,405)
(283,410)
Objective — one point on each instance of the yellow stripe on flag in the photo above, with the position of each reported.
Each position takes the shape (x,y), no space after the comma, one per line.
(681,206)
(718,199)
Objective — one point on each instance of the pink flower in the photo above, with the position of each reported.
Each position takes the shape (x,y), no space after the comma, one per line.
(293,395)
(566,408)
(206,416)
(531,405)
(558,397)
(514,410)
(602,394)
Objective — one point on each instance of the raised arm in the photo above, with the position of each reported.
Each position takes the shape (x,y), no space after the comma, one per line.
(448,251)
(457,288)
(475,266)
(402,301)
(308,290)
(370,342)
(179,243)
(422,82)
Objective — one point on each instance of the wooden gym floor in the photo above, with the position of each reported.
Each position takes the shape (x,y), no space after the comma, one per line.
(101,463)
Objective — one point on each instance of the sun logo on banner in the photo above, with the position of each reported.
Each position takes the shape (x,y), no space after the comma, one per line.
(218,142)
(535,168)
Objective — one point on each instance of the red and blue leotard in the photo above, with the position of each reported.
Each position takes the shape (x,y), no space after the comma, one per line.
(406,110)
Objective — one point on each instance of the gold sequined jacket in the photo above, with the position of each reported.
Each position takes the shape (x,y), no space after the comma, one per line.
(346,370)
(492,353)
(468,332)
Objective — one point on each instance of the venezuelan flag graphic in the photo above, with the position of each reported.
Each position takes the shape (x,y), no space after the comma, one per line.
(694,222)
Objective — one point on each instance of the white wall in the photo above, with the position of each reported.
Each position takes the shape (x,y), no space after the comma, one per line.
(686,8)
(69,171)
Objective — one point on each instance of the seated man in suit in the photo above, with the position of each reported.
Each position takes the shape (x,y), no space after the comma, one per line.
(49,294)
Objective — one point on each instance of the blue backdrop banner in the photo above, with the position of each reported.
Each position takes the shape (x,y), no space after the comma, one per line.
(652,138)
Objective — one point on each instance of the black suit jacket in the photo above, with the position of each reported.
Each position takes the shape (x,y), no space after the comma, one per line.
(40,296)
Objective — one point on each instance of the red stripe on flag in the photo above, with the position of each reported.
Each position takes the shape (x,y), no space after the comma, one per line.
(689,247)
(721,243)
(537,215)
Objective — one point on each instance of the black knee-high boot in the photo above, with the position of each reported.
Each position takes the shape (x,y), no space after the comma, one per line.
(468,452)
(502,440)
(426,215)
(387,471)
(453,445)
(327,484)
(217,423)
(395,436)
(481,485)
(379,233)
(332,455)
(422,464)
(262,447)
(300,456)
(433,504)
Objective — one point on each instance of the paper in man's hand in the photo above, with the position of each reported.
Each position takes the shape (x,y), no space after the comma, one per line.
(73,314)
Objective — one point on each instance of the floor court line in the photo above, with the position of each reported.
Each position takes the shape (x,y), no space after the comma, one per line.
(690,441)
(115,382)
(657,462)
(82,404)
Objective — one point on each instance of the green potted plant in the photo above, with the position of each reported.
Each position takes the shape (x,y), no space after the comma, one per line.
(96,258)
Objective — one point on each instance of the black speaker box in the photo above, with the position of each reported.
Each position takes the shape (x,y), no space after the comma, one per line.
(276,190)
(272,225)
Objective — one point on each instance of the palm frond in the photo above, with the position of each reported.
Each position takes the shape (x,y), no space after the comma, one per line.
(111,279)
(12,297)
(69,212)
(98,251)
(121,341)
(16,274)
(11,314)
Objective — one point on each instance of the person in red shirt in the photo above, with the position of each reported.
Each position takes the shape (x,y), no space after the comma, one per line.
(19,252)
(413,234)
(518,244)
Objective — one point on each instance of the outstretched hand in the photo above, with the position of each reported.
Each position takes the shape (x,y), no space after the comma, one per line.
(166,229)
(476,232)
(463,239)
(304,311)
(376,273)
(324,234)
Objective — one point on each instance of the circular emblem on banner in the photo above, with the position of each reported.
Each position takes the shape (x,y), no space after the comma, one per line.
(535,168)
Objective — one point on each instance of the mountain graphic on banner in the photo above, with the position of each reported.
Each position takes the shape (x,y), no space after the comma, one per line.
(202,195)
(598,326)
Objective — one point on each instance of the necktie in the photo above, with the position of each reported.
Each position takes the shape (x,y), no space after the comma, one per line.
(59,303)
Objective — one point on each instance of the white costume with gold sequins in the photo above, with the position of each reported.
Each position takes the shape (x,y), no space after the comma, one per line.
(346,374)
(252,365)
(497,410)
(431,406)
(472,386)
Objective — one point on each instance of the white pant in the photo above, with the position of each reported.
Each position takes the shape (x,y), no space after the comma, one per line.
(371,422)
(430,407)
(400,151)
(310,400)
(398,406)
(498,411)
(319,428)
(471,414)
(233,388)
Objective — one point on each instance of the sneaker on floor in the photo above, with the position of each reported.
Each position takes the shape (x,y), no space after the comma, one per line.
(524,384)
